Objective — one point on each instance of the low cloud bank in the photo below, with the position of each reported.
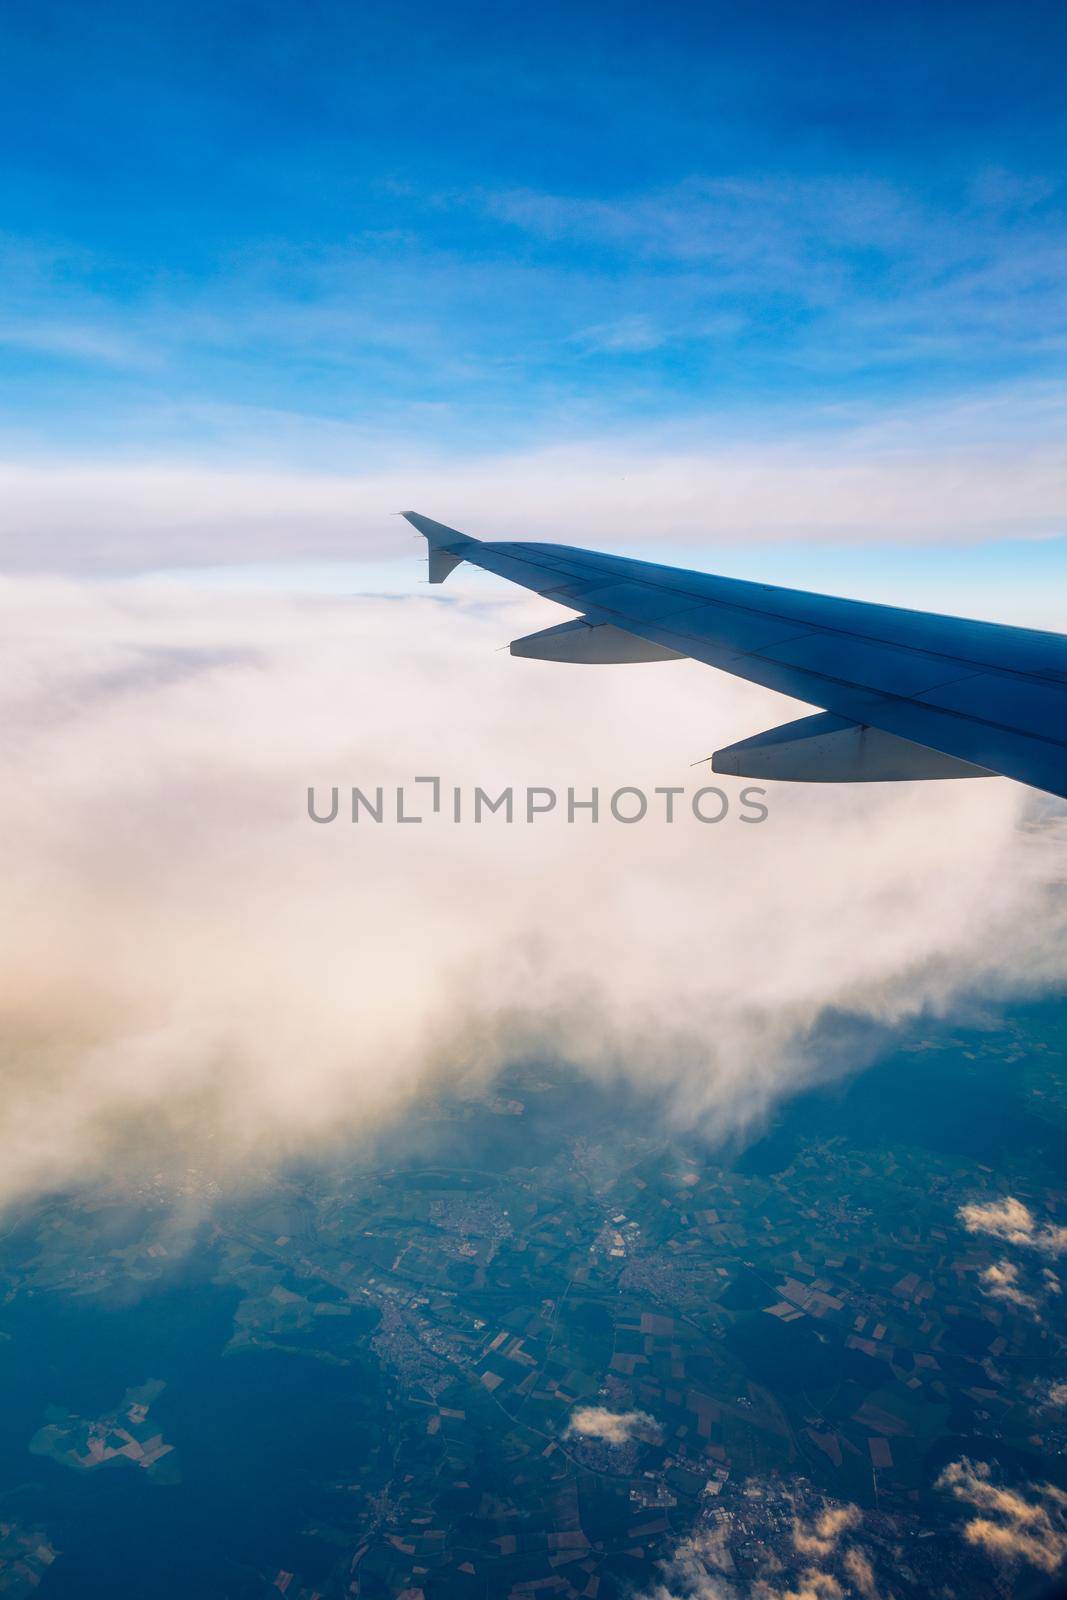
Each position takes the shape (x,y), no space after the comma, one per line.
(910,483)
(191,969)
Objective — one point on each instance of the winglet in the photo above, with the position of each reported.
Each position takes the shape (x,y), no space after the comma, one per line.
(445,544)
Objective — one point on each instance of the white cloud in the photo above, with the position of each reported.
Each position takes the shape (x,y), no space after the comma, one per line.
(697,1569)
(811,1584)
(834,1565)
(1000,1281)
(1011,1220)
(187,964)
(613,1427)
(860,1572)
(821,1537)
(1012,1526)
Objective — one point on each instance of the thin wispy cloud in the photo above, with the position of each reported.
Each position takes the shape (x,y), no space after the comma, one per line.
(629,335)
(709,224)
(880,273)
(90,344)
(657,304)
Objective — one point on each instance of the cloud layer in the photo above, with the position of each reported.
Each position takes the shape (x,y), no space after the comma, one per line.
(926,477)
(191,969)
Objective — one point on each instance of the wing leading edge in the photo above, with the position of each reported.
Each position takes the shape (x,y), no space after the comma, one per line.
(909,694)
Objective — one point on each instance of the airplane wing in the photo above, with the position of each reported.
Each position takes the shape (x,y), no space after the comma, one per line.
(905,694)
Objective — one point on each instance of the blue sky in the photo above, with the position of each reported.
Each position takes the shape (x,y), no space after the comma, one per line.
(329,239)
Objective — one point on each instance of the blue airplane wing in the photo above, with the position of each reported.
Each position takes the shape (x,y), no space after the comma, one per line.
(904,694)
